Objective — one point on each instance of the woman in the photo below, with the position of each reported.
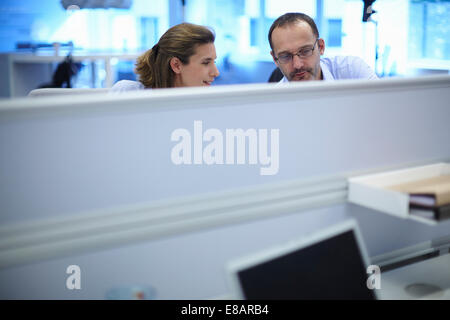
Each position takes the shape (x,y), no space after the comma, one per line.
(184,57)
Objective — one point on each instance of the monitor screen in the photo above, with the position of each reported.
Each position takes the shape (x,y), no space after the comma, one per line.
(329,269)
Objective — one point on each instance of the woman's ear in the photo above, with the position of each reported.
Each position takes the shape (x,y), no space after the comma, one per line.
(175,64)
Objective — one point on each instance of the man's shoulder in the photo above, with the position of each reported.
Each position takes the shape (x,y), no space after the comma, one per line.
(348,67)
(342,61)
(126,85)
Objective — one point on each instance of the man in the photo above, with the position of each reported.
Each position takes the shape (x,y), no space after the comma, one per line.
(296,50)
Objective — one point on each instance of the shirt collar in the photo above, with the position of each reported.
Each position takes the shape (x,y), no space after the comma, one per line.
(325,71)
(283,80)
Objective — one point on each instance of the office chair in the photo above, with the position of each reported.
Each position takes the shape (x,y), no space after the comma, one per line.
(276,75)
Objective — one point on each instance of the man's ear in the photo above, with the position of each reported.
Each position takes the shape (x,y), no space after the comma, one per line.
(273,57)
(176,64)
(321,45)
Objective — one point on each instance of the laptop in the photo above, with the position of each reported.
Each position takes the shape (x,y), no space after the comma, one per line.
(330,264)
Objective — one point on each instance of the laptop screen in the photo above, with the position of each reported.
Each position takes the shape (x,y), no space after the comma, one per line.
(332,268)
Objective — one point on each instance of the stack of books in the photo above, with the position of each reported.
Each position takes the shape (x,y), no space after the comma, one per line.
(428,198)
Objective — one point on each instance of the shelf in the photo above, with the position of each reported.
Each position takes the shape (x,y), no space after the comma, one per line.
(374,191)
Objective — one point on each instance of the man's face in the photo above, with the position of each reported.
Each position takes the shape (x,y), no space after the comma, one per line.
(293,38)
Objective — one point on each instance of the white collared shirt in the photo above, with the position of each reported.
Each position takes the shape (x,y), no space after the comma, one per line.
(126,85)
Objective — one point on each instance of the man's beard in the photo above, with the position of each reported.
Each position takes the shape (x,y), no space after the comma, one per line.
(306,70)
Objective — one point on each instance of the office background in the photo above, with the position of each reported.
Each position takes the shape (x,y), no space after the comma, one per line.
(406,37)
(88,180)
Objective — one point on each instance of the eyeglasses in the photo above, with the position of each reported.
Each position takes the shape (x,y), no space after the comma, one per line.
(285,58)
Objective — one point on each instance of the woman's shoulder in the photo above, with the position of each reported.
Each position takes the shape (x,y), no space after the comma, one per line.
(126,85)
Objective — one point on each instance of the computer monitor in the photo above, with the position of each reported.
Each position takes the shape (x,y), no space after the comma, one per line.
(330,264)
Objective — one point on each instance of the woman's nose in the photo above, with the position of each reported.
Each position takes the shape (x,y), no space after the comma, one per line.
(215,72)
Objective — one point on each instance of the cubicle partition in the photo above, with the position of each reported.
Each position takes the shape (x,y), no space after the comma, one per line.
(158,190)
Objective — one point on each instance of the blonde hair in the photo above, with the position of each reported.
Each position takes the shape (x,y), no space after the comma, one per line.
(181,41)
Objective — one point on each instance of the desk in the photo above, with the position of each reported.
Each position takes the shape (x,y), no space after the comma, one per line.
(434,271)
(23,72)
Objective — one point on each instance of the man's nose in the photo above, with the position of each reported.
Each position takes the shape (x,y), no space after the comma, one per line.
(297,62)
